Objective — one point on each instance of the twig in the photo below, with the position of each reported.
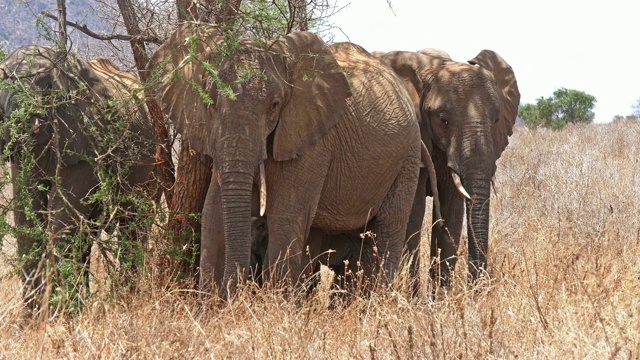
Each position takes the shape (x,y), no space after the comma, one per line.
(87,31)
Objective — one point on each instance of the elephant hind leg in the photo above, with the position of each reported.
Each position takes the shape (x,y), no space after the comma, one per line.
(411,253)
(392,217)
(288,261)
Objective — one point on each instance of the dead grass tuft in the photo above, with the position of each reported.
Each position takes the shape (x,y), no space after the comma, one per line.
(564,250)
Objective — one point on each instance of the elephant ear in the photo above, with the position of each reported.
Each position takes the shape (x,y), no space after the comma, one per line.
(181,84)
(319,92)
(508,92)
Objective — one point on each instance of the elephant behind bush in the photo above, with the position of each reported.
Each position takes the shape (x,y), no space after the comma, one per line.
(81,151)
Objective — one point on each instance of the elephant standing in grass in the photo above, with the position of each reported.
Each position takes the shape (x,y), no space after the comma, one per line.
(81,150)
(333,127)
(466,113)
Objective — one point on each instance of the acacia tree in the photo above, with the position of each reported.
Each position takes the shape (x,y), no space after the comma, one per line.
(564,107)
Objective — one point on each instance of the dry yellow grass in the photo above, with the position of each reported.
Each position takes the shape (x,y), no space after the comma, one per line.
(564,254)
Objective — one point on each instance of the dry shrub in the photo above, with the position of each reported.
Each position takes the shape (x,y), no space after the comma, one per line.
(564,252)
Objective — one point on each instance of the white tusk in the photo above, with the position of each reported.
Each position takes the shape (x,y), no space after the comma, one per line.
(458,183)
(263,191)
(493,184)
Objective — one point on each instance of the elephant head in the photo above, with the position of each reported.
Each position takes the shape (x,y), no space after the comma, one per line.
(467,113)
(241,101)
(50,84)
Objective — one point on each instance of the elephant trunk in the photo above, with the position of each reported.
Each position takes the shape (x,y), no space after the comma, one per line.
(477,166)
(478,226)
(236,165)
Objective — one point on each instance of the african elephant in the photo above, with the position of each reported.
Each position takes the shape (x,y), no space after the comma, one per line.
(466,113)
(333,128)
(71,129)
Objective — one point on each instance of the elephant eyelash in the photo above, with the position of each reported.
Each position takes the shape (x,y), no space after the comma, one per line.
(275,105)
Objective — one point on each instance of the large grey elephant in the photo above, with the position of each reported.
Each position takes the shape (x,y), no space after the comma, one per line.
(466,113)
(333,127)
(81,152)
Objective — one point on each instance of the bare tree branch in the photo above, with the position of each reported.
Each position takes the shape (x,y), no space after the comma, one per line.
(88,32)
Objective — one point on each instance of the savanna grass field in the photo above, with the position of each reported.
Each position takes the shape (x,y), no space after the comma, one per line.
(565,283)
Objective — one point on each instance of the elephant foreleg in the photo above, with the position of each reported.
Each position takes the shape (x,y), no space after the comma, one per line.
(287,258)
(212,241)
(445,239)
(30,248)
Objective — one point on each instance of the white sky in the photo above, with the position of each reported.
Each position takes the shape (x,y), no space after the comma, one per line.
(592,46)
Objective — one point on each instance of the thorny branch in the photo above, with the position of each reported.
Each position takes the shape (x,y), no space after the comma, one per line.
(88,32)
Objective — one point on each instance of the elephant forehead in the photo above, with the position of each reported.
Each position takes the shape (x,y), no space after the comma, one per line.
(28,61)
(465,80)
(255,72)
(457,70)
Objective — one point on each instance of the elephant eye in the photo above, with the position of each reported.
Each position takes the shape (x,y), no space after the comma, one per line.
(275,105)
(443,119)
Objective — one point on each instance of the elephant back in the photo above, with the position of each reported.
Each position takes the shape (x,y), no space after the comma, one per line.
(121,93)
(408,65)
(359,64)
(125,89)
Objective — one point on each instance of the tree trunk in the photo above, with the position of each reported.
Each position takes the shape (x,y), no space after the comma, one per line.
(186,10)
(162,140)
(298,20)
(184,227)
(62,24)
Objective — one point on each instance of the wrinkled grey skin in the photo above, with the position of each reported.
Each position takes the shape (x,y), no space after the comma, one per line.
(466,113)
(347,253)
(334,128)
(62,207)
